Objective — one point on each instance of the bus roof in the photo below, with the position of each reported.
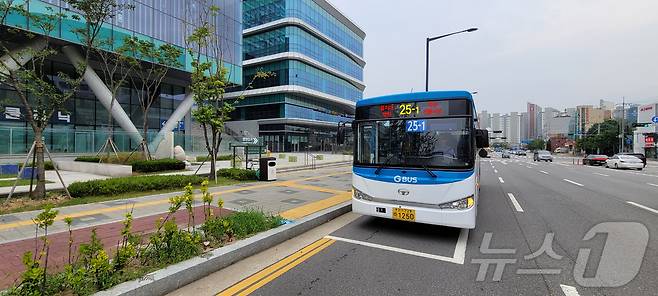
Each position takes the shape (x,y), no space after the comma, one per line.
(415,97)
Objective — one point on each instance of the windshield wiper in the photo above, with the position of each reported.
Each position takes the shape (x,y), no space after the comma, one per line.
(432,174)
(381,166)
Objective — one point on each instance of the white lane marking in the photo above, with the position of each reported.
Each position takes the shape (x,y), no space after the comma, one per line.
(569,290)
(604,175)
(643,207)
(516,204)
(501,180)
(460,248)
(496,171)
(544,172)
(651,184)
(529,167)
(574,183)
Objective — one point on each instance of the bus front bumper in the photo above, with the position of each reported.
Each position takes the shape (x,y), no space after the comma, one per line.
(451,218)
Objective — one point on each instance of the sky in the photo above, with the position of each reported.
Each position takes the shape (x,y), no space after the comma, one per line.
(554,53)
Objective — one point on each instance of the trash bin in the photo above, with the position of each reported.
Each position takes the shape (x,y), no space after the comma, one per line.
(267,167)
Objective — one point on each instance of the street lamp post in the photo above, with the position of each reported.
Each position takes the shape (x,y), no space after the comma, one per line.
(427,53)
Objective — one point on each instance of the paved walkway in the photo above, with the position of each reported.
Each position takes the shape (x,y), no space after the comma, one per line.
(293,196)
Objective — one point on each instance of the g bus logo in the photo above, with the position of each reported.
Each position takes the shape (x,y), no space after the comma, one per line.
(404,179)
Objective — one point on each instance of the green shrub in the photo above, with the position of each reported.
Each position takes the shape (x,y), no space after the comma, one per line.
(238,225)
(172,245)
(282,156)
(95,159)
(292,158)
(48,165)
(131,184)
(249,222)
(160,165)
(319,157)
(238,174)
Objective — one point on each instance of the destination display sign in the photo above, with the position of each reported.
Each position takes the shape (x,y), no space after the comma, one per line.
(425,109)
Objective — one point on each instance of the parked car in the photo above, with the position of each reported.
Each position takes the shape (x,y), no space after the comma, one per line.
(638,155)
(594,159)
(622,161)
(542,155)
(506,154)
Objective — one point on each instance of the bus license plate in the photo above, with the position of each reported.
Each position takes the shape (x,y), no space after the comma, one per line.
(404,214)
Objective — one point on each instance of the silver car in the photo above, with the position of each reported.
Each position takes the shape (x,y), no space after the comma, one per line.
(620,161)
(543,155)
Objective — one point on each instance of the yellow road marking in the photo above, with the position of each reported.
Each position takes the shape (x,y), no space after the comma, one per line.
(319,205)
(161,201)
(259,279)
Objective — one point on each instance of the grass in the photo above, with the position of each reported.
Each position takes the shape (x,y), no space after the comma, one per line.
(7,176)
(57,199)
(21,182)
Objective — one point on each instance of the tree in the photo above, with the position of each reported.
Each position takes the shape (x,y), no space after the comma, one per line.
(148,76)
(35,86)
(601,138)
(116,66)
(537,144)
(549,145)
(210,80)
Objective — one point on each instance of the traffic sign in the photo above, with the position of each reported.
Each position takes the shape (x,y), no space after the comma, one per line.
(250,140)
(654,119)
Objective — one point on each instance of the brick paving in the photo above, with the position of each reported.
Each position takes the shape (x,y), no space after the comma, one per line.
(11,253)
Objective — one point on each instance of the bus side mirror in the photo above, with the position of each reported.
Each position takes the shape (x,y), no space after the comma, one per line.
(341,135)
(482,138)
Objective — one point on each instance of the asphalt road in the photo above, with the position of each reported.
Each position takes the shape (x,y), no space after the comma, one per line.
(522,205)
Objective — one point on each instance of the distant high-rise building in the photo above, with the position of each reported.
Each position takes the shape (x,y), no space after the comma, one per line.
(588,116)
(524,126)
(547,119)
(484,119)
(534,121)
(606,105)
(514,130)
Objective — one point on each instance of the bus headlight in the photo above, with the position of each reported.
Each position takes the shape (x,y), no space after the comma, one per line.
(360,195)
(461,204)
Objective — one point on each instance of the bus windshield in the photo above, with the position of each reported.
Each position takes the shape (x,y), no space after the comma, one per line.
(443,143)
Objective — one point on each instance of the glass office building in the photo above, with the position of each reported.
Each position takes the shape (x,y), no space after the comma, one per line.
(81,127)
(316,56)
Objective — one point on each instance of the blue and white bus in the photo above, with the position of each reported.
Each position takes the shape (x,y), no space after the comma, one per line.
(416,158)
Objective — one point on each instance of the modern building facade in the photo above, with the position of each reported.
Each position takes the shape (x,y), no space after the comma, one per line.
(82,125)
(316,56)
(645,135)
(588,116)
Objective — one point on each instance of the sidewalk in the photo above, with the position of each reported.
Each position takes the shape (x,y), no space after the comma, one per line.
(294,196)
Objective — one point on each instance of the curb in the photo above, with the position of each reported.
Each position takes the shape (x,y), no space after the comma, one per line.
(170,278)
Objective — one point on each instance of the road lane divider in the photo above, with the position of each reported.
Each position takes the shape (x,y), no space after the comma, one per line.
(642,207)
(544,172)
(457,258)
(516,204)
(602,175)
(496,171)
(651,184)
(501,180)
(574,183)
(259,279)
(569,290)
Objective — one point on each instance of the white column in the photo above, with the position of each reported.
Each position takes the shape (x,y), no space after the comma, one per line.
(173,120)
(104,95)
(20,56)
